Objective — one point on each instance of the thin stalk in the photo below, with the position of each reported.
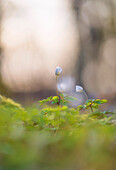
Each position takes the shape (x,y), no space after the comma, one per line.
(85,95)
(91,108)
(88,99)
(57,93)
(56,87)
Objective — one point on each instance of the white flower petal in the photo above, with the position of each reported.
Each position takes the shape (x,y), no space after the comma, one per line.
(79,89)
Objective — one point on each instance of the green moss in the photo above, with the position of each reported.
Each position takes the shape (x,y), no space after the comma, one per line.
(55,137)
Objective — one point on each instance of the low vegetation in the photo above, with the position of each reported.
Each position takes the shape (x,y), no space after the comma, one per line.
(51,136)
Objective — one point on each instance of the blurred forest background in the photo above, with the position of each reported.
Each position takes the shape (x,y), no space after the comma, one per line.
(38,35)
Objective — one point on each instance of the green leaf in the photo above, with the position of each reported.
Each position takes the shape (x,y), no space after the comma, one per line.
(87,101)
(103,101)
(80,107)
(55,99)
(71,98)
(98,102)
(45,100)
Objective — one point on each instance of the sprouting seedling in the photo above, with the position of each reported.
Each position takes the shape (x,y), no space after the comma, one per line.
(80,89)
(58,71)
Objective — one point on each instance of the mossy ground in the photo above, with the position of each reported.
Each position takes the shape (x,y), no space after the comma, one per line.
(55,138)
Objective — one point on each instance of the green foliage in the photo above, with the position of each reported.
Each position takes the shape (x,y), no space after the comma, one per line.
(62,100)
(56,137)
(9,102)
(92,103)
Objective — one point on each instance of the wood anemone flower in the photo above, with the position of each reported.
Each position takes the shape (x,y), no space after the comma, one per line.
(79,89)
(58,71)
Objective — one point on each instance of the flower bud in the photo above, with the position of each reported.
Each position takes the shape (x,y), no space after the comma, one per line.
(58,71)
(79,89)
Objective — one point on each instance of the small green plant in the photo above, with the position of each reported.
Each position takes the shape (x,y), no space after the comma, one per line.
(92,103)
(64,100)
(61,100)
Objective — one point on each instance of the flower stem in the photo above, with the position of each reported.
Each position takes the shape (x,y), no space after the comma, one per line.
(85,95)
(56,87)
(91,108)
(88,99)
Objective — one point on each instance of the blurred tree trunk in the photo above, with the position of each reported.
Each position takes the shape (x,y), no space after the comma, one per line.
(0,30)
(3,89)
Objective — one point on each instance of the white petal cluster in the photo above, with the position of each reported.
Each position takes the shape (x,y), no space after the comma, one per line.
(79,89)
(58,71)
